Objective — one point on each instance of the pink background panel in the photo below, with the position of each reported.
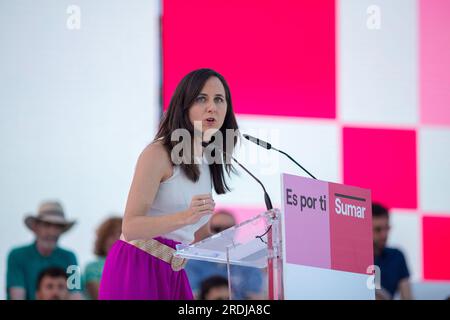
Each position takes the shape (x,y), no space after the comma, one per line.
(436,248)
(434,61)
(307,232)
(277,56)
(351,237)
(383,160)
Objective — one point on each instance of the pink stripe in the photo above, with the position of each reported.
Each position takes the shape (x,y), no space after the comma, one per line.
(435,61)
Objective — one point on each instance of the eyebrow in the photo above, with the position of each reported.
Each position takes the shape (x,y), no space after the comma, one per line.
(217,95)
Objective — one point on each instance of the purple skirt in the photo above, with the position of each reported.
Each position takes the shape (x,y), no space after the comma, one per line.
(132,274)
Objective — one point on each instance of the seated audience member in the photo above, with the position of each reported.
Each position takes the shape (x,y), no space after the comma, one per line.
(246,282)
(27,262)
(394,271)
(107,233)
(214,288)
(52,285)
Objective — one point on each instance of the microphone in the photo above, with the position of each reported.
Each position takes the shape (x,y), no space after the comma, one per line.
(268,146)
(266,195)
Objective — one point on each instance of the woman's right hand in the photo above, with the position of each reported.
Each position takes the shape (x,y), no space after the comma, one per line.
(201,205)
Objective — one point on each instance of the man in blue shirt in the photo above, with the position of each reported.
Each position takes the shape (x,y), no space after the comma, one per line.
(394,271)
(27,262)
(246,282)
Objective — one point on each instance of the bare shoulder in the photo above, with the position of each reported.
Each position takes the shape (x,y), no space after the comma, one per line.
(155,156)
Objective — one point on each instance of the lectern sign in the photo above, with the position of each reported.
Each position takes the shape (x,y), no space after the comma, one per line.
(327,235)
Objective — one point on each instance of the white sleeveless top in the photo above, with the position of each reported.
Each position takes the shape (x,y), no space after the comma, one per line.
(175,194)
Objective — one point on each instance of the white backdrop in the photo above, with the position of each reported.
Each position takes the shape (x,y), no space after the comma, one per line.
(76,108)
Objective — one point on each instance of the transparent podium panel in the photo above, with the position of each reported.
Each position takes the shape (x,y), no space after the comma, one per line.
(244,244)
(252,243)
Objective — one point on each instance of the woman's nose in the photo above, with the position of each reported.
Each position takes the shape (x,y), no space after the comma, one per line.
(211,107)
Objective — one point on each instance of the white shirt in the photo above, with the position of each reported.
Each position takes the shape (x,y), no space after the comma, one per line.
(175,194)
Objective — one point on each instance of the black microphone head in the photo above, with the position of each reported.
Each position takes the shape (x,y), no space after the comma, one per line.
(259,142)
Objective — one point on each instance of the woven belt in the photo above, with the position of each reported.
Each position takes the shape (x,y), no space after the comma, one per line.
(160,251)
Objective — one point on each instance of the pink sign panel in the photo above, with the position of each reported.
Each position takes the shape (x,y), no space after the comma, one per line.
(350,228)
(306,213)
(327,225)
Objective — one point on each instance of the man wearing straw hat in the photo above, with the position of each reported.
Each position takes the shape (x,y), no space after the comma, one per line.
(25,263)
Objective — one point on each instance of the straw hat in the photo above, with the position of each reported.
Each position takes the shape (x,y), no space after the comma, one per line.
(50,212)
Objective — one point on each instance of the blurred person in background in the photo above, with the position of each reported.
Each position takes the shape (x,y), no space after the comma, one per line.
(214,288)
(27,262)
(52,285)
(246,282)
(394,271)
(107,233)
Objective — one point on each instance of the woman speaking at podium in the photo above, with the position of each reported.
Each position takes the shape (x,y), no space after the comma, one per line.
(169,201)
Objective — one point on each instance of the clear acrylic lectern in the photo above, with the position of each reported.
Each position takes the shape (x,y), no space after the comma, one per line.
(252,243)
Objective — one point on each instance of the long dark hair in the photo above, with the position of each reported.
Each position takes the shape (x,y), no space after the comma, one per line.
(177,117)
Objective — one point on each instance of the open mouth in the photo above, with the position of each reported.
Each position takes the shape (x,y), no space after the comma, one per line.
(210,120)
